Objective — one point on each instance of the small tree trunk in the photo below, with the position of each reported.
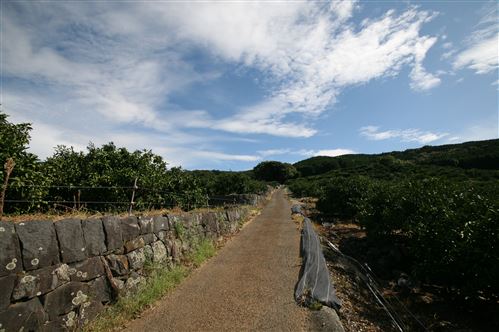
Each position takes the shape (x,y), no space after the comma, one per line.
(132,202)
(9,166)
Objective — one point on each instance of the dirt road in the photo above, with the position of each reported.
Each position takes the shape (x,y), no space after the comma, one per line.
(247,286)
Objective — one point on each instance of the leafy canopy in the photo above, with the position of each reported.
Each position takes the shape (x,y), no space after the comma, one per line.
(274,171)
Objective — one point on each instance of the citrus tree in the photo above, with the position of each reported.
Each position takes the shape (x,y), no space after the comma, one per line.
(26,182)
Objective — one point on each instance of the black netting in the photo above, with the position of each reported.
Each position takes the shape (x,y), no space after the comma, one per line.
(315,282)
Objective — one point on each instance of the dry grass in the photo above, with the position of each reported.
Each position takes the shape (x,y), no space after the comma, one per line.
(56,216)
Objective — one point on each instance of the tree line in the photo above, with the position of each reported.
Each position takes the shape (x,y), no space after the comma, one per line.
(102,178)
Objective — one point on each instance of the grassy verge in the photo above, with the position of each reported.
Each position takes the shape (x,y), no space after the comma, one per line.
(160,280)
(205,250)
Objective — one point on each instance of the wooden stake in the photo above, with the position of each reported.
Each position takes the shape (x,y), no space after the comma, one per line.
(9,167)
(133,197)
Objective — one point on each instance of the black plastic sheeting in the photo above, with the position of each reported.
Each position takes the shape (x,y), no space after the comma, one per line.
(315,282)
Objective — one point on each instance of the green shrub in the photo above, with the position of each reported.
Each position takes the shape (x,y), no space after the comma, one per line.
(27,180)
(274,171)
(110,166)
(381,210)
(452,230)
(305,187)
(343,197)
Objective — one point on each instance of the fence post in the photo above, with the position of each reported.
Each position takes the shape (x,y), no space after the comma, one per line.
(78,201)
(9,166)
(133,197)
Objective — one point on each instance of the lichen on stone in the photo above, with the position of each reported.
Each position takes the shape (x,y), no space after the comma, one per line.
(79,298)
(70,319)
(62,273)
(12,265)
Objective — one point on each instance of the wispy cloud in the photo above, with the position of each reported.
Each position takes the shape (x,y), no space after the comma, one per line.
(311,53)
(84,72)
(178,148)
(306,153)
(421,79)
(481,57)
(481,53)
(274,152)
(405,135)
(477,132)
(327,153)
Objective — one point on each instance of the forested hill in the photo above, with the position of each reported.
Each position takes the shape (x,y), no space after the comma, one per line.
(479,155)
(438,204)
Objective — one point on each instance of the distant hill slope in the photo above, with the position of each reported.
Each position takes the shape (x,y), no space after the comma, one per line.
(478,155)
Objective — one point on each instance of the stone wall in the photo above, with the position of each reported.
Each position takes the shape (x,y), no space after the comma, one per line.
(58,275)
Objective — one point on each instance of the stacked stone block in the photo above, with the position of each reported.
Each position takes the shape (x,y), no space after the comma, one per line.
(56,276)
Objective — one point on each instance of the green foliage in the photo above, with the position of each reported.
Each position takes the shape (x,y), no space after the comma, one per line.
(227,183)
(204,250)
(275,171)
(159,282)
(452,228)
(107,174)
(14,139)
(316,165)
(179,230)
(305,187)
(387,167)
(342,197)
(109,166)
(442,201)
(482,155)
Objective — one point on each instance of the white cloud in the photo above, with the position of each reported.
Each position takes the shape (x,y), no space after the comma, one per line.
(310,52)
(306,153)
(421,79)
(96,71)
(447,45)
(477,132)
(406,135)
(273,152)
(333,152)
(44,138)
(482,57)
(224,156)
(178,148)
(124,80)
(482,51)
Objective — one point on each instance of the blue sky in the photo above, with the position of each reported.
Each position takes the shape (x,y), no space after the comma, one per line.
(226,85)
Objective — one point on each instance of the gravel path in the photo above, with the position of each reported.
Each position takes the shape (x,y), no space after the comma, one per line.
(248,285)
